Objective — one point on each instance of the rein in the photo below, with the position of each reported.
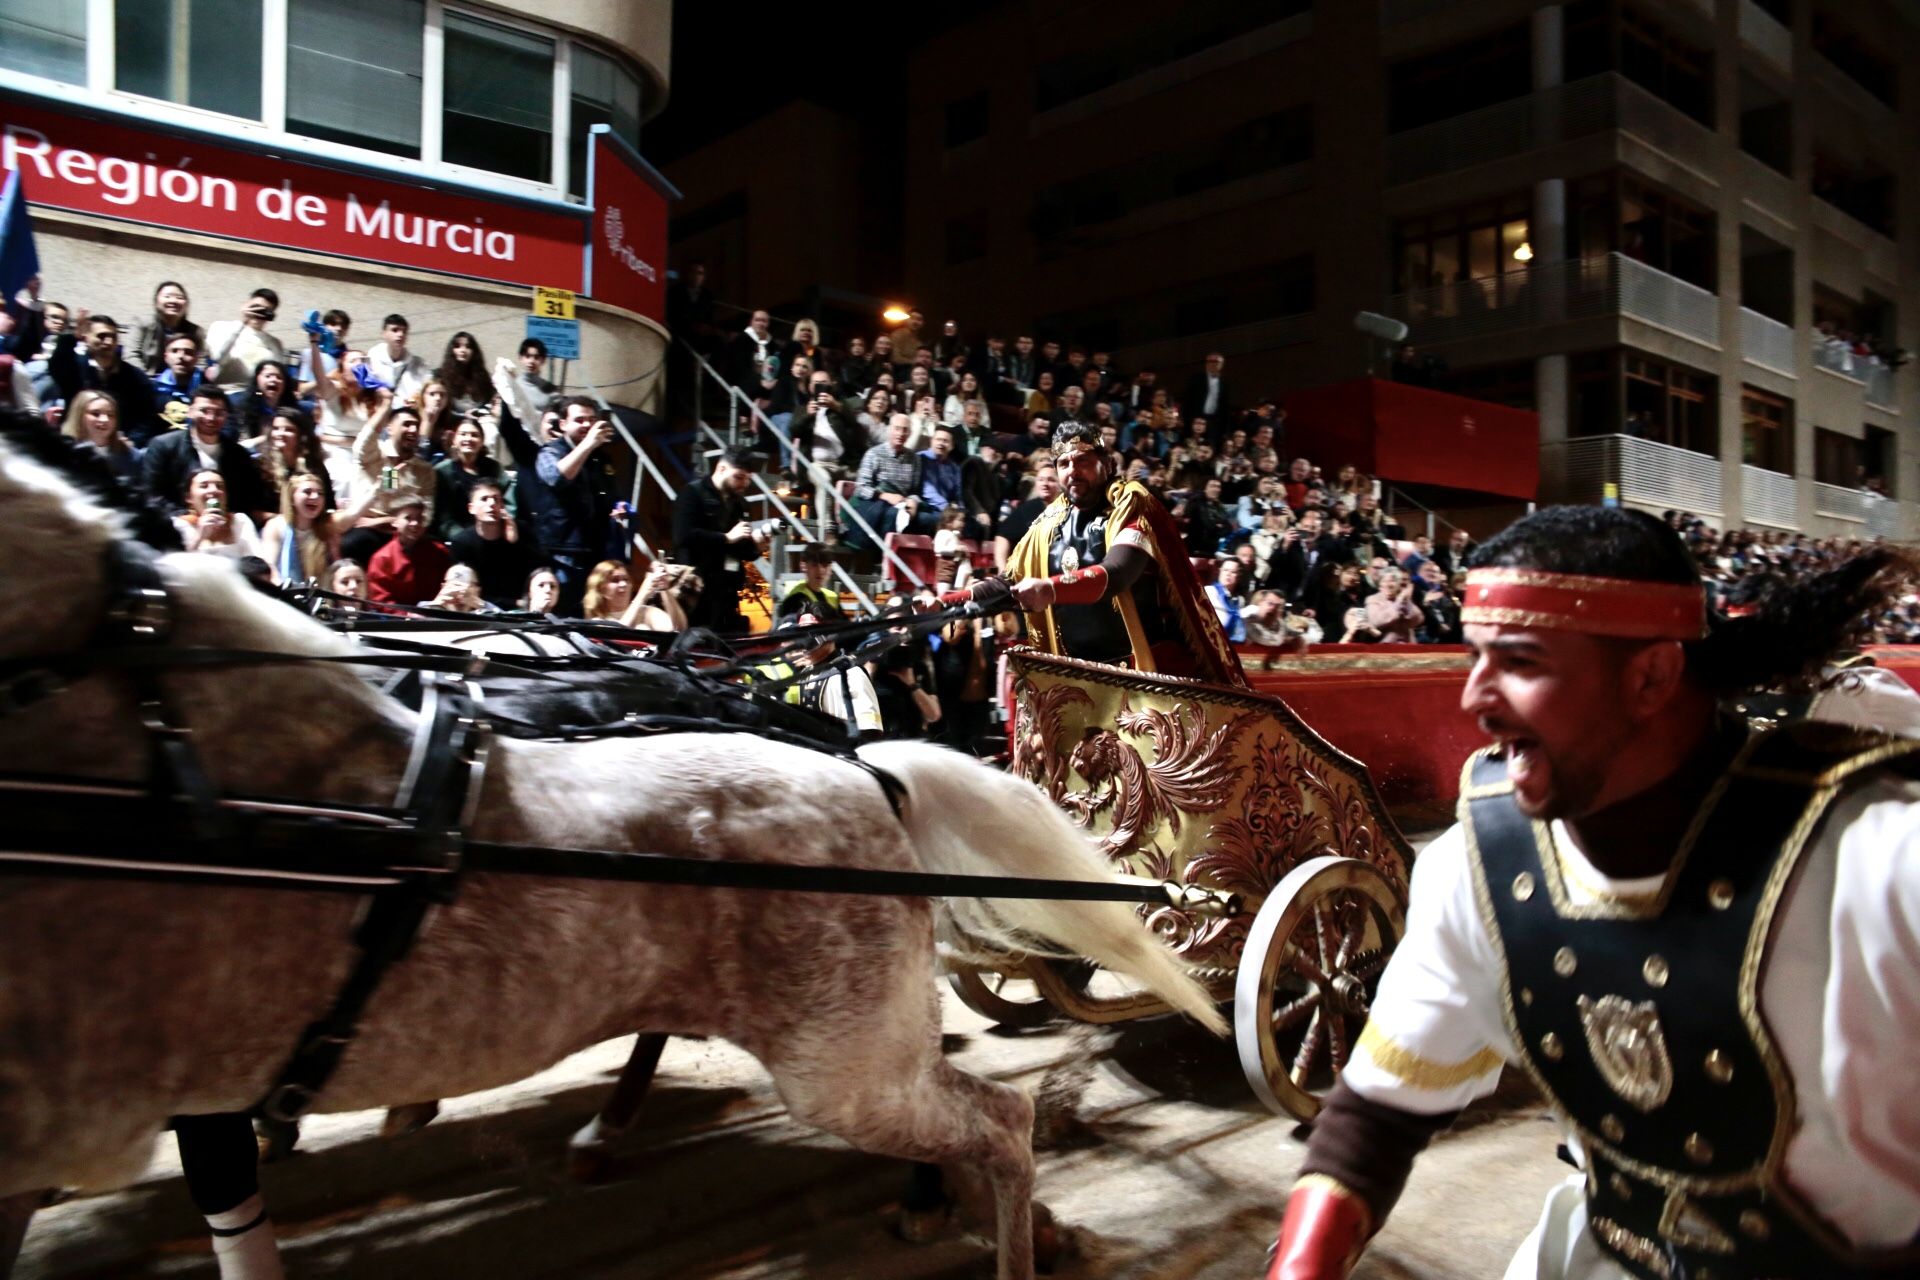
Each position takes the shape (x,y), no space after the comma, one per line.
(406,858)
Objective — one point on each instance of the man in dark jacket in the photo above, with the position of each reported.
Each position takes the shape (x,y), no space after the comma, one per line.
(711,533)
(568,491)
(173,457)
(102,369)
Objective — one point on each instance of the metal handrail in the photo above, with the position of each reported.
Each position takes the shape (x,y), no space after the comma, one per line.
(1433,517)
(754,413)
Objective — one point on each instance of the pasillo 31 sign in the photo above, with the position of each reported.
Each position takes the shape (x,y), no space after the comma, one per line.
(69,161)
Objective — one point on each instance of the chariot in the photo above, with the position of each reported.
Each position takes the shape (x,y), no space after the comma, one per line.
(1287,877)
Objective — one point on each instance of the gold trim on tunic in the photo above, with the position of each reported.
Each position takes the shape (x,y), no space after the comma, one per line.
(1411,1069)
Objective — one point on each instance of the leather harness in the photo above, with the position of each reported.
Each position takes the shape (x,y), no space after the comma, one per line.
(406,858)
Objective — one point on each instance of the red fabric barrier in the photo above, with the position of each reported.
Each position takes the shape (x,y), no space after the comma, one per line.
(1416,436)
(1393,707)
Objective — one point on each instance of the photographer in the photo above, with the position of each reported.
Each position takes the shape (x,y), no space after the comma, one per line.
(568,492)
(711,533)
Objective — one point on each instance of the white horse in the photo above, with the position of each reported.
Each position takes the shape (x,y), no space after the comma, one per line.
(123,1004)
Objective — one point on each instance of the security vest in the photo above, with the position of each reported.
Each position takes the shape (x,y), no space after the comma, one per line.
(1641,1021)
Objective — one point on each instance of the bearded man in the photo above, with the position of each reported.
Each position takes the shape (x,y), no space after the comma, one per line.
(1700,941)
(1103,575)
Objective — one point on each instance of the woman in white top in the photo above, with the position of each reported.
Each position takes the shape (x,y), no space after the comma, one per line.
(954,413)
(235,348)
(210,526)
(301,541)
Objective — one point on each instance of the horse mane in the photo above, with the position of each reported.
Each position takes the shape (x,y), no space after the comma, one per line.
(83,467)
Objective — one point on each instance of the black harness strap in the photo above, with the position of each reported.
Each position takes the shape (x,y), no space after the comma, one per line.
(433,795)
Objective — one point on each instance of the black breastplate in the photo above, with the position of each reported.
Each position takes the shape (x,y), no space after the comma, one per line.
(1098,632)
(1642,1021)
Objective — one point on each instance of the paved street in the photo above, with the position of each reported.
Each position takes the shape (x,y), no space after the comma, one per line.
(1159,1163)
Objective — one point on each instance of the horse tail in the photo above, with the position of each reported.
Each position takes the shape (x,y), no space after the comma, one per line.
(964,817)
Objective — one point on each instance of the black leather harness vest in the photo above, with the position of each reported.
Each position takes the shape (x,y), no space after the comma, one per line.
(1097,632)
(1641,1019)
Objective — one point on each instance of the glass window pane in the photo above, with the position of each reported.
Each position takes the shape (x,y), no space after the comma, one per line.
(353,72)
(604,92)
(203,53)
(45,38)
(499,99)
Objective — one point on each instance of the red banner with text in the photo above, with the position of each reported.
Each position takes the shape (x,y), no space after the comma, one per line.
(628,267)
(162,179)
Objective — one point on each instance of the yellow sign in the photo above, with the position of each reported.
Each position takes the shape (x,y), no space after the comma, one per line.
(553,304)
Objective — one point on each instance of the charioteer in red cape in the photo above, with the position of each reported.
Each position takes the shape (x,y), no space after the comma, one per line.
(1103,575)
(1701,942)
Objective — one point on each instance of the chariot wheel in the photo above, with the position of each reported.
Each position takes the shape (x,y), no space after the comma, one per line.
(1009,998)
(1312,962)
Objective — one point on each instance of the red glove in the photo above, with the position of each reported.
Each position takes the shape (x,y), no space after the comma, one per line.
(1325,1228)
(954,599)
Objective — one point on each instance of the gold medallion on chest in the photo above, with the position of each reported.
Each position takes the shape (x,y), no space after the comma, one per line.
(1628,1048)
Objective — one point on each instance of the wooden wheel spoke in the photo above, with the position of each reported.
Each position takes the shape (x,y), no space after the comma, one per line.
(1290,1014)
(1352,933)
(1320,935)
(1337,1041)
(1369,964)
(1309,1050)
(1308,969)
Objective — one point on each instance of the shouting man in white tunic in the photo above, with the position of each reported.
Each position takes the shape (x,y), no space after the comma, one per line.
(1701,942)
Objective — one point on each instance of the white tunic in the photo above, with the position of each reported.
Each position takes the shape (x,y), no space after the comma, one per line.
(1840,990)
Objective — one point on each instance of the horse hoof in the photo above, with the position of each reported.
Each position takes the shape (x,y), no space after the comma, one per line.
(922,1226)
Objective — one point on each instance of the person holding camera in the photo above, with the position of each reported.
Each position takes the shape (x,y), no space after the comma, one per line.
(235,348)
(711,533)
(567,490)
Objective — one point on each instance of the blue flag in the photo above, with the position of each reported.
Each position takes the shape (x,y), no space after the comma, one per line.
(18,260)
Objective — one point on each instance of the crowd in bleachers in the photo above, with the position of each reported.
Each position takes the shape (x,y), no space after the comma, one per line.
(1741,565)
(310,457)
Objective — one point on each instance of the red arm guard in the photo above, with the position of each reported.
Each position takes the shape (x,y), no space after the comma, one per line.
(1325,1228)
(1081,586)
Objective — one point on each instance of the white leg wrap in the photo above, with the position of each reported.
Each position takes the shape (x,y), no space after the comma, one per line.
(251,1255)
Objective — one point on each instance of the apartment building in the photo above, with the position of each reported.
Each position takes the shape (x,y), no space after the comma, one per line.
(1637,219)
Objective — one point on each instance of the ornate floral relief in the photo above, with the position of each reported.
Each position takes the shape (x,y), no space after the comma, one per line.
(1193,771)
(1038,754)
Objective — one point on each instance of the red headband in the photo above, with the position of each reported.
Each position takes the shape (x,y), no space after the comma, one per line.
(1580,602)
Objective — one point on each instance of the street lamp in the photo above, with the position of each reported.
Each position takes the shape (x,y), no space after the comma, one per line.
(896,315)
(1524,253)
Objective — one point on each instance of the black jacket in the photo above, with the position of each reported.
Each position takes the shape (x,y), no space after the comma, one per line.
(702,515)
(131,389)
(1193,401)
(1293,569)
(171,460)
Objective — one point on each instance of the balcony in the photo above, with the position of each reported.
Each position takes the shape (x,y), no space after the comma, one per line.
(1643,472)
(1876,380)
(1889,519)
(1577,109)
(1770,498)
(1837,502)
(1766,342)
(1578,289)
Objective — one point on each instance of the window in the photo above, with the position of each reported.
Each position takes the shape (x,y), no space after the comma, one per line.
(1666,65)
(499,99)
(199,53)
(967,238)
(1670,404)
(1667,232)
(354,72)
(45,38)
(1838,459)
(1766,426)
(604,92)
(1246,150)
(1876,74)
(1475,242)
(1862,190)
(1464,78)
(966,119)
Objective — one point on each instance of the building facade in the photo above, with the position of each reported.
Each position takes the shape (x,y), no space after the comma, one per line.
(433,158)
(1650,222)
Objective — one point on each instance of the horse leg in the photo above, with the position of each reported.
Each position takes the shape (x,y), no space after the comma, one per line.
(926,1111)
(221,1161)
(15,1213)
(590,1151)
